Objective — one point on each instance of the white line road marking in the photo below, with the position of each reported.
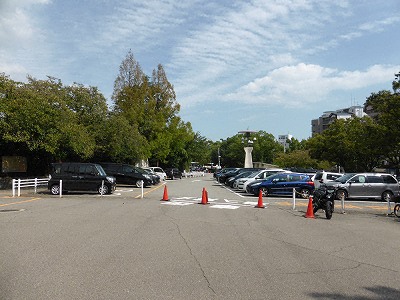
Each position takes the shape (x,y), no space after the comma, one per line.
(178,203)
(224,206)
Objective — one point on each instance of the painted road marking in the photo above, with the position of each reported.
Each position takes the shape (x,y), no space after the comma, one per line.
(225,206)
(19,202)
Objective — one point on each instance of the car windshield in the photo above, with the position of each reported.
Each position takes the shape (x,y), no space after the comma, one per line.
(101,170)
(344,178)
(140,170)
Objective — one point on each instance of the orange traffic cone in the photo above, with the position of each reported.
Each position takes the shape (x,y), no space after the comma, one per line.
(204,197)
(310,209)
(165,196)
(260,201)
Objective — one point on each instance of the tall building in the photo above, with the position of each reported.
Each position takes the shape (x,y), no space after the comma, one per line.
(328,117)
(283,140)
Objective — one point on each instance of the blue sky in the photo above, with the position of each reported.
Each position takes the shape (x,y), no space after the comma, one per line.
(235,65)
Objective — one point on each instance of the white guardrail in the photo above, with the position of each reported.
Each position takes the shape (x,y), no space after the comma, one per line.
(17,184)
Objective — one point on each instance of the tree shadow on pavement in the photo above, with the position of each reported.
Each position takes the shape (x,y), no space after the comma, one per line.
(381,292)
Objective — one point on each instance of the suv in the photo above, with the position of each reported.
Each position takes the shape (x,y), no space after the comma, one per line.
(366,185)
(173,173)
(283,184)
(80,177)
(322,177)
(127,174)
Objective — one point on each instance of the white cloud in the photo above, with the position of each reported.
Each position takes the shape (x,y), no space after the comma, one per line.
(19,32)
(301,84)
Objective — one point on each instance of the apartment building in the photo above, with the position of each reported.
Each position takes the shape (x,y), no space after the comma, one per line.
(323,122)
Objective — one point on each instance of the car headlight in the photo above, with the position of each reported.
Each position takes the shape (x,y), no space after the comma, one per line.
(110,179)
(146,176)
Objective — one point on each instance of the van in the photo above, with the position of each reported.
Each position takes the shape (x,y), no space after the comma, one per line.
(127,174)
(366,186)
(80,177)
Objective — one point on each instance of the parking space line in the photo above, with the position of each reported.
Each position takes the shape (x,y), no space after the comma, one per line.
(19,202)
(151,190)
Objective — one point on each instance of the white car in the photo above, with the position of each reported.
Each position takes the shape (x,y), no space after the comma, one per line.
(160,172)
(322,177)
(243,182)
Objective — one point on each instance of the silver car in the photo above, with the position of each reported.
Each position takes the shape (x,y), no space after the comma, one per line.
(366,186)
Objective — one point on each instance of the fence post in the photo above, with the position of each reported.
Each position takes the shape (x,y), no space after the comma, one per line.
(36,182)
(60,188)
(342,200)
(13,187)
(294,198)
(141,186)
(19,187)
(389,208)
(102,188)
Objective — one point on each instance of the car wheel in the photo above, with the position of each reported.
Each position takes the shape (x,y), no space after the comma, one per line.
(55,189)
(341,195)
(387,196)
(265,191)
(103,189)
(305,193)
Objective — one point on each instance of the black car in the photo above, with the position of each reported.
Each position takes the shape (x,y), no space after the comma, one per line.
(223,177)
(127,174)
(80,177)
(231,180)
(173,173)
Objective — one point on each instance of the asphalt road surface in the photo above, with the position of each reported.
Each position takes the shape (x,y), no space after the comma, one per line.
(122,246)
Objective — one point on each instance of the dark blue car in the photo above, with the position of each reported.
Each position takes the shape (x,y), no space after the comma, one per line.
(283,184)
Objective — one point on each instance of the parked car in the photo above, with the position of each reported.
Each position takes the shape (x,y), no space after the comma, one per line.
(127,174)
(173,173)
(283,184)
(366,186)
(223,177)
(160,172)
(155,178)
(80,177)
(323,177)
(223,171)
(231,180)
(243,182)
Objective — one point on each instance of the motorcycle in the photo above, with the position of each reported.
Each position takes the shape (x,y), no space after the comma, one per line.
(324,198)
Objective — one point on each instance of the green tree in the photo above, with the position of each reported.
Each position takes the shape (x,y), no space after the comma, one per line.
(386,106)
(349,143)
(151,107)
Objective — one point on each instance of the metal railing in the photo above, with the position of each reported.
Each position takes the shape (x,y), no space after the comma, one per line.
(17,184)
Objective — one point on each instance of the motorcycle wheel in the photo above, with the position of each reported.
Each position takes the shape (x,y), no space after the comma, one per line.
(397,210)
(328,210)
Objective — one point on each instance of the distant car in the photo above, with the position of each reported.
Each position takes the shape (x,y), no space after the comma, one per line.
(160,172)
(155,178)
(283,184)
(243,182)
(232,180)
(173,173)
(128,174)
(223,177)
(323,177)
(366,186)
